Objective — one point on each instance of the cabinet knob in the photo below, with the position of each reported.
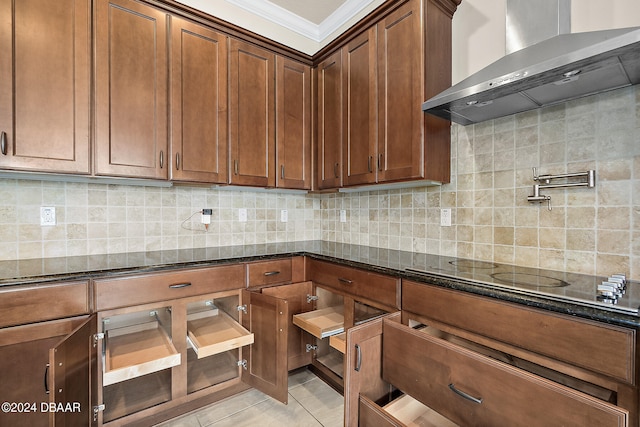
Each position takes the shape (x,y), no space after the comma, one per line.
(3,142)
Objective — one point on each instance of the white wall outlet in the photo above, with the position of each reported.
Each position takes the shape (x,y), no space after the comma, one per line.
(445,217)
(284,215)
(343,215)
(242,214)
(47,215)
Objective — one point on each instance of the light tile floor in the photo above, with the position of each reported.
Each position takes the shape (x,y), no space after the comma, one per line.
(312,403)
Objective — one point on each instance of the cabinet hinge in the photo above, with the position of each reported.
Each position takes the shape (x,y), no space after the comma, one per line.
(311,347)
(311,298)
(243,363)
(97,409)
(97,337)
(243,308)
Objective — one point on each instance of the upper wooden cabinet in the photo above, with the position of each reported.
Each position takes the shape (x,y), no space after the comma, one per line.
(293,124)
(360,109)
(388,69)
(251,115)
(130,90)
(329,124)
(198,103)
(45,85)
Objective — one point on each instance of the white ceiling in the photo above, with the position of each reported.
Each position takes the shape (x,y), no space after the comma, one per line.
(314,11)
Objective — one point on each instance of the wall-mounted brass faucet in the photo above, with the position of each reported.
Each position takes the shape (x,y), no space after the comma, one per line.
(589,180)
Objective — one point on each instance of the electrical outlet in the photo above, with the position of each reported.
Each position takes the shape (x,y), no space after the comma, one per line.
(284,215)
(47,215)
(242,214)
(343,215)
(445,217)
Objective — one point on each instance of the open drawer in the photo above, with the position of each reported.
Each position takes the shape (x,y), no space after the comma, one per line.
(321,323)
(471,388)
(136,344)
(211,331)
(403,411)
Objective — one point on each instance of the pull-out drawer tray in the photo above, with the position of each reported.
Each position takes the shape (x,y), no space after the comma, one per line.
(472,389)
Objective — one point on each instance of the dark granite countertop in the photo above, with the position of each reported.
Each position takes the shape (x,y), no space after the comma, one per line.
(386,261)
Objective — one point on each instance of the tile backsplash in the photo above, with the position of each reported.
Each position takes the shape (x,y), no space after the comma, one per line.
(589,230)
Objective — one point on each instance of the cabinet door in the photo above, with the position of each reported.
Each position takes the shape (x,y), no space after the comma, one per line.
(400,120)
(24,351)
(44,108)
(251,115)
(360,103)
(329,161)
(130,90)
(198,104)
(297,302)
(73,372)
(293,132)
(268,319)
(363,366)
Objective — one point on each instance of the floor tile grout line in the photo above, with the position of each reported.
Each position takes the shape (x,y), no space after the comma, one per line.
(307,410)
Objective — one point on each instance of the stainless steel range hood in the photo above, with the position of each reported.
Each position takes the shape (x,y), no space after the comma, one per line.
(560,68)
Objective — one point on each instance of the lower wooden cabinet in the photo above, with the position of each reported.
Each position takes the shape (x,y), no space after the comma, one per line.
(401,375)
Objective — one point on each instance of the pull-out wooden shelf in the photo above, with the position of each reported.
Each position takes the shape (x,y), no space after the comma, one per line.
(215,333)
(411,412)
(321,323)
(137,350)
(339,342)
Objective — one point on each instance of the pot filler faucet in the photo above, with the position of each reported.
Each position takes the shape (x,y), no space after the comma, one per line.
(589,181)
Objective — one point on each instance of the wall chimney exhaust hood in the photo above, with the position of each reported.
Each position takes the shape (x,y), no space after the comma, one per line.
(560,68)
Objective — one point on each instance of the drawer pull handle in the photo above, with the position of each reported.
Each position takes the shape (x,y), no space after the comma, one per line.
(453,388)
(46,379)
(343,280)
(271,273)
(179,285)
(358,358)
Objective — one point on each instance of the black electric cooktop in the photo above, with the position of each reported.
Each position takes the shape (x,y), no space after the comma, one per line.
(572,287)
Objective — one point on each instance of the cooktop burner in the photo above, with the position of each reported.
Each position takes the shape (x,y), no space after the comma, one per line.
(556,285)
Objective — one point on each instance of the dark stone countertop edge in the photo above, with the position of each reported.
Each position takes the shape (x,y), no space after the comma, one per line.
(567,308)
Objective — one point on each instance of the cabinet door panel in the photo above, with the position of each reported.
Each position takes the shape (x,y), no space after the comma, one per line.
(329,162)
(360,84)
(400,149)
(268,319)
(293,134)
(44,109)
(252,118)
(131,95)
(199,103)
(73,375)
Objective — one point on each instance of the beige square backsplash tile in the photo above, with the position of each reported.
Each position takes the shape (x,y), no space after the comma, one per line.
(593,231)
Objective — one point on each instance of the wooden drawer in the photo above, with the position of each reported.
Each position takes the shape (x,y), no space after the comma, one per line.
(471,389)
(266,273)
(152,287)
(602,348)
(20,305)
(373,286)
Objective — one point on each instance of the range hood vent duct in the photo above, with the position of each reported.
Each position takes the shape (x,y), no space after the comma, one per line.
(547,72)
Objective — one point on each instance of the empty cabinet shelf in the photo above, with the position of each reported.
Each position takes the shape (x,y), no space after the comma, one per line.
(216,333)
(321,323)
(137,350)
(413,413)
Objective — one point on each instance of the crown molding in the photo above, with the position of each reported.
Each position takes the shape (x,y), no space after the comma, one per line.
(280,16)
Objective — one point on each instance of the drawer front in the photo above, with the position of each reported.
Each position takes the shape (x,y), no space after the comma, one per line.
(606,349)
(471,389)
(376,287)
(266,273)
(142,289)
(22,305)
